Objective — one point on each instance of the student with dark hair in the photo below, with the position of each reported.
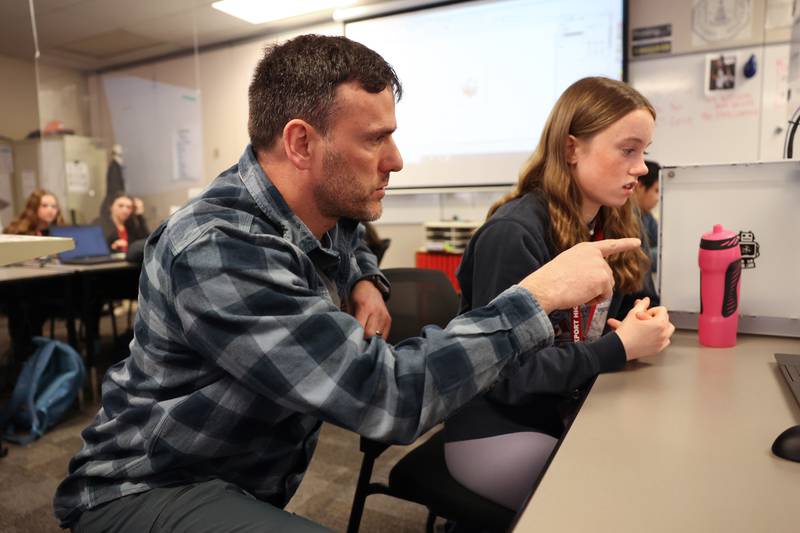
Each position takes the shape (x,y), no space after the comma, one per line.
(647,196)
(121,225)
(115,221)
(247,339)
(139,228)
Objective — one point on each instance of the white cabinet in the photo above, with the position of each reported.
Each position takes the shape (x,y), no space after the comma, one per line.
(72,167)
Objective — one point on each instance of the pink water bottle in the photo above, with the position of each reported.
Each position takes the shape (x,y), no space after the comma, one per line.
(720,277)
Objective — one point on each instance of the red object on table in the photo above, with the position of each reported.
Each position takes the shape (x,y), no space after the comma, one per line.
(447,263)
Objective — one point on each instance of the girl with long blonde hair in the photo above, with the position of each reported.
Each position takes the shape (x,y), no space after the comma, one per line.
(577,186)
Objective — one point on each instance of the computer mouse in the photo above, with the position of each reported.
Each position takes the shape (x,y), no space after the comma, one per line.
(787,445)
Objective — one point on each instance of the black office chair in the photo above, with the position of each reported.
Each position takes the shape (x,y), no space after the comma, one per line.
(421,297)
(379,248)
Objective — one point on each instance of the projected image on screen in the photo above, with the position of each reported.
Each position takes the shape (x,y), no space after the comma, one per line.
(480,78)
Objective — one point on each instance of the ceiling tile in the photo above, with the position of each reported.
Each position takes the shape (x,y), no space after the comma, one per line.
(110,44)
(89,28)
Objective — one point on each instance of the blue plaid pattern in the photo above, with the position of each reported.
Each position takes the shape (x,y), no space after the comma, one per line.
(239,353)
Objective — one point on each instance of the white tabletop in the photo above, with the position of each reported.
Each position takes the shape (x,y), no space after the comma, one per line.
(678,442)
(14,248)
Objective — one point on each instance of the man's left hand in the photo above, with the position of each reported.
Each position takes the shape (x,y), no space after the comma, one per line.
(370,310)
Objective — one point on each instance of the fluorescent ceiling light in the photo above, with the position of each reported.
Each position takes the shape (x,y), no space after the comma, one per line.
(261,11)
(382,8)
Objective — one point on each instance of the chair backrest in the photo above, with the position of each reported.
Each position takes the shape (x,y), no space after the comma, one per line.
(420,297)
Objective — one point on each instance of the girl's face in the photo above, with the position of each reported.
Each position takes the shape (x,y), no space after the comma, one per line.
(121,209)
(47,211)
(607,165)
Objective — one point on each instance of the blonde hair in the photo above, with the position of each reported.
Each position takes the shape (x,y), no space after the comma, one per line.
(27,223)
(587,107)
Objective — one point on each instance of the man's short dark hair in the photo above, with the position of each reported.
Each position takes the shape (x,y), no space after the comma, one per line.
(651,178)
(298,79)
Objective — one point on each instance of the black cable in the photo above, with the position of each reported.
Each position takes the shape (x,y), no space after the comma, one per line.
(788,146)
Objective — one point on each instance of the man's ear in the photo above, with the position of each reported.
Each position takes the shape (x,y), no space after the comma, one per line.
(570,147)
(299,140)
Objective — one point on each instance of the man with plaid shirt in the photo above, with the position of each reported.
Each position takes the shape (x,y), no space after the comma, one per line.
(261,314)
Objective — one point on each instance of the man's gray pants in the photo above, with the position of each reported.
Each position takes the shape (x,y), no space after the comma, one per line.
(209,507)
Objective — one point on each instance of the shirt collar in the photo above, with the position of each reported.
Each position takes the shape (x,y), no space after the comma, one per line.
(274,207)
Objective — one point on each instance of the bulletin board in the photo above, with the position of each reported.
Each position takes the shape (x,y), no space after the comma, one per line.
(759,198)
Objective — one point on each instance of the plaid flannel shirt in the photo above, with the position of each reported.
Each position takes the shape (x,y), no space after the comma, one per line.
(239,353)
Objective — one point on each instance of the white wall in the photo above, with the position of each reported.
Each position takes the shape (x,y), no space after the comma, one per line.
(18,102)
(64,96)
(221,77)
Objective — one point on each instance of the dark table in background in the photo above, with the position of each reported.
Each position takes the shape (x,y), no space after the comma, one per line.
(83,289)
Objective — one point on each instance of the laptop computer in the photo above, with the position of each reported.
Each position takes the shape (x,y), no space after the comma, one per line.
(90,246)
(790,367)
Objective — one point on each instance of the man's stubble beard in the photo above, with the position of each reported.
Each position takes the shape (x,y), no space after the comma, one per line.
(334,196)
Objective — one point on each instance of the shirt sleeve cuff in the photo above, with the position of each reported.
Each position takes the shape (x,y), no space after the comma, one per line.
(610,352)
(530,325)
(380,282)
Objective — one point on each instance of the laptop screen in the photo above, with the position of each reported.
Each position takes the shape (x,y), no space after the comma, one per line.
(89,241)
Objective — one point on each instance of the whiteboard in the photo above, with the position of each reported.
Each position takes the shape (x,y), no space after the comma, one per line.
(724,127)
(160,129)
(757,197)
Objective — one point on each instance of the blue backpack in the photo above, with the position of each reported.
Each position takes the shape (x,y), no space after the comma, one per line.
(46,389)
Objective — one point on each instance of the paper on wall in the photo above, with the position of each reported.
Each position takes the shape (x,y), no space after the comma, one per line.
(77,177)
(187,155)
(779,14)
(715,21)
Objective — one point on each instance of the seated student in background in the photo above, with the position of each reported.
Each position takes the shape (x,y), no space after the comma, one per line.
(41,211)
(137,223)
(138,231)
(647,196)
(121,227)
(261,314)
(115,222)
(26,316)
(575,188)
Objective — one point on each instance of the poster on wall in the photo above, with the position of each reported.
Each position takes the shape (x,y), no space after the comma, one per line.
(78,177)
(651,40)
(187,157)
(718,21)
(720,73)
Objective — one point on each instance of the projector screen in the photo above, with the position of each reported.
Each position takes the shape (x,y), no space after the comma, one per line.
(480,78)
